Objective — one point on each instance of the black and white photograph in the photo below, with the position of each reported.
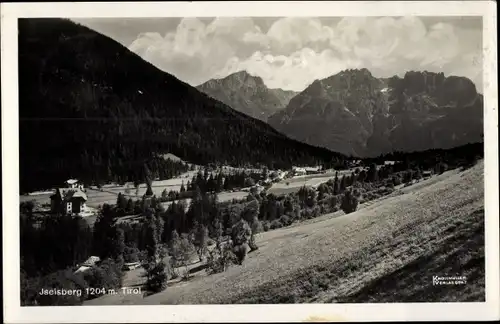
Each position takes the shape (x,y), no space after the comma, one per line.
(196,158)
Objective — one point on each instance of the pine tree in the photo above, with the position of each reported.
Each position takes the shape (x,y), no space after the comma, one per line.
(241,236)
(343,185)
(408,176)
(362,176)
(181,249)
(251,216)
(322,191)
(121,201)
(104,232)
(218,231)
(336,184)
(418,174)
(200,241)
(130,206)
(219,182)
(155,265)
(118,246)
(372,175)
(205,174)
(149,190)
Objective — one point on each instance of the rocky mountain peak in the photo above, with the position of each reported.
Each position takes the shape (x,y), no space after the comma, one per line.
(354,112)
(248,94)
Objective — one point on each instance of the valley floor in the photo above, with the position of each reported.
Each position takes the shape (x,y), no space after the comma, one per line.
(387,251)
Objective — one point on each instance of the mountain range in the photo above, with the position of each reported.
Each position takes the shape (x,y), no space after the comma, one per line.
(357,114)
(247,94)
(92,109)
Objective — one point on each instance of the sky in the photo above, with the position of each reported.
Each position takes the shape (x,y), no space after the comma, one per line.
(291,52)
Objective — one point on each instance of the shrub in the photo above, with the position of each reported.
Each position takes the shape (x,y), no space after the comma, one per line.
(389,183)
(470,161)
(215,262)
(276,224)
(241,232)
(241,251)
(349,202)
(408,178)
(285,220)
(157,277)
(266,226)
(181,250)
(316,211)
(396,180)
(442,167)
(333,201)
(108,274)
(249,182)
(418,174)
(131,254)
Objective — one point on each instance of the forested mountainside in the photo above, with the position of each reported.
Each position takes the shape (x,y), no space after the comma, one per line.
(247,94)
(355,113)
(90,108)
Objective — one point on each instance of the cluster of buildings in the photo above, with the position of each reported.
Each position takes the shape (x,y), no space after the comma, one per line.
(88,264)
(297,171)
(94,261)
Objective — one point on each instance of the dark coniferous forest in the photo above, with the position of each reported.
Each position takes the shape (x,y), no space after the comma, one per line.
(90,108)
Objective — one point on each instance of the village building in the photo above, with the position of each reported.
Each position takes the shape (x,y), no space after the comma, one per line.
(312,170)
(281,175)
(298,171)
(267,181)
(74,184)
(70,200)
(131,266)
(257,189)
(88,264)
(427,174)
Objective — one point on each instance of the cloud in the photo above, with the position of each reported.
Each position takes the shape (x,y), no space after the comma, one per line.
(295,51)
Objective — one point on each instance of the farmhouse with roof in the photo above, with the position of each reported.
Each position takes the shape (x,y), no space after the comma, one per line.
(70,200)
(299,171)
(73,183)
(88,264)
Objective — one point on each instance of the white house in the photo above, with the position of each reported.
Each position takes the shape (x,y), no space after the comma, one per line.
(131,266)
(70,200)
(312,170)
(299,171)
(73,184)
(88,264)
(282,175)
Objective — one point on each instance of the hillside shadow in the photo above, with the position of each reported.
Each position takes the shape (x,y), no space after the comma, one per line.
(461,255)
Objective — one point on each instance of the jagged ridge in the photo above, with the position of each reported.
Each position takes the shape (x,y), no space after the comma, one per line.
(247,94)
(355,113)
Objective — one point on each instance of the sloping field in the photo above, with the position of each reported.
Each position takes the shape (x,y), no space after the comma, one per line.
(287,186)
(386,252)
